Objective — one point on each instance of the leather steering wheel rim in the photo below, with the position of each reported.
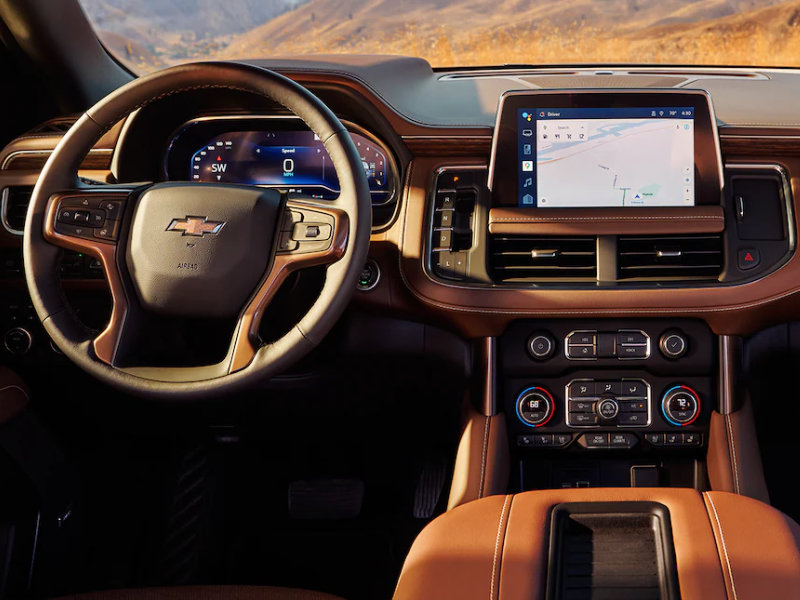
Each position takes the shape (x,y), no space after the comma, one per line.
(41,253)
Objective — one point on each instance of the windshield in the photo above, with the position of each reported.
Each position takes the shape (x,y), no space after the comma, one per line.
(149,34)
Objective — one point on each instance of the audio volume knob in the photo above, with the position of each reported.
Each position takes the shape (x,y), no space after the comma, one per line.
(673,344)
(680,405)
(541,346)
(535,406)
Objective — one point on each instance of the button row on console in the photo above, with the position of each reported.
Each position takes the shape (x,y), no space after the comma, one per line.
(544,440)
(674,439)
(608,440)
(594,389)
(623,344)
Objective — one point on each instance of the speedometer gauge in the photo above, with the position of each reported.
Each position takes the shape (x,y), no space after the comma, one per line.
(287,159)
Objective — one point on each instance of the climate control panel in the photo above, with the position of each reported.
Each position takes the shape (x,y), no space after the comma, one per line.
(622,403)
(632,385)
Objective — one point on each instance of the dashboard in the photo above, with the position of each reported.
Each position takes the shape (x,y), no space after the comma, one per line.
(275,152)
(445,153)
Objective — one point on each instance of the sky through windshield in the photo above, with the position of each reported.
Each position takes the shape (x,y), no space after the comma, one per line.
(149,34)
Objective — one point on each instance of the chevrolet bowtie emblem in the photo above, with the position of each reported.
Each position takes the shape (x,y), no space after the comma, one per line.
(196,226)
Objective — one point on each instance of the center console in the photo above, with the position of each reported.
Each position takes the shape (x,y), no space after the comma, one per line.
(607,402)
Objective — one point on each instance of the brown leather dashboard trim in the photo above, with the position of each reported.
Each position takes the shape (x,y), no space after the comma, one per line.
(648,221)
(733,309)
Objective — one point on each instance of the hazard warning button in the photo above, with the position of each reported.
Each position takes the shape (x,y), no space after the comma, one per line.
(748,258)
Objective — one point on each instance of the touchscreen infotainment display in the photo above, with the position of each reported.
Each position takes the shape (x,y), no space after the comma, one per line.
(604,150)
(606,157)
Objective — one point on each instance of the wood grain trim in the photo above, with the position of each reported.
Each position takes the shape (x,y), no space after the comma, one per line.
(607,221)
(423,145)
(98,159)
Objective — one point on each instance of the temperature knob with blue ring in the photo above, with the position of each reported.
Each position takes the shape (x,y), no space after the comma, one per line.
(535,406)
(680,405)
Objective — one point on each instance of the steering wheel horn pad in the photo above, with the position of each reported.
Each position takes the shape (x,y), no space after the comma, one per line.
(196,250)
(199,250)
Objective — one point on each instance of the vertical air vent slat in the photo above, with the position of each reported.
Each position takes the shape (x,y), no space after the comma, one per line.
(670,257)
(15,201)
(522,258)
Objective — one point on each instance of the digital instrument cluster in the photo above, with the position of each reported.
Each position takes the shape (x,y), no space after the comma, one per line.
(275,153)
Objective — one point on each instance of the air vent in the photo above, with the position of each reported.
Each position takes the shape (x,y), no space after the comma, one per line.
(15,201)
(670,257)
(536,258)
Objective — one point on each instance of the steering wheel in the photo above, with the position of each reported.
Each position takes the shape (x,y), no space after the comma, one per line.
(194,250)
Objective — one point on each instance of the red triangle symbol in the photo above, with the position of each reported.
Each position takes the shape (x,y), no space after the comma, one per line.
(219,158)
(748,257)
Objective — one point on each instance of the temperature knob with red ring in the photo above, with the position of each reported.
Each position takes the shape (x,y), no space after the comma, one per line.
(680,405)
(535,406)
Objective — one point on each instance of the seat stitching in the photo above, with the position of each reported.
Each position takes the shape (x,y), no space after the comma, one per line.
(483,455)
(724,546)
(732,445)
(497,547)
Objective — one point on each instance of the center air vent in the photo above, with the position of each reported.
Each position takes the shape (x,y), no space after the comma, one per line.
(670,257)
(15,201)
(522,258)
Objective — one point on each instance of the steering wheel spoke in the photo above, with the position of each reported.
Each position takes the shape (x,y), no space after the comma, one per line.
(89,220)
(311,234)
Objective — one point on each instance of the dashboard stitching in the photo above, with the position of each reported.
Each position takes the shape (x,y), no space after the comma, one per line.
(497,546)
(732,444)
(483,455)
(724,546)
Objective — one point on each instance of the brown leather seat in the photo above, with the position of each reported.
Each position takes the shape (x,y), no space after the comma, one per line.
(211,592)
(726,546)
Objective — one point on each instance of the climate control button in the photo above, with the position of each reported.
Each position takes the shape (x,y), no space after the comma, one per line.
(680,405)
(607,409)
(535,406)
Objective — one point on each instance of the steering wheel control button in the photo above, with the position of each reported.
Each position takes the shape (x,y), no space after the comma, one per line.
(112,208)
(673,344)
(18,341)
(680,405)
(311,232)
(607,409)
(369,277)
(748,258)
(110,231)
(541,346)
(535,406)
